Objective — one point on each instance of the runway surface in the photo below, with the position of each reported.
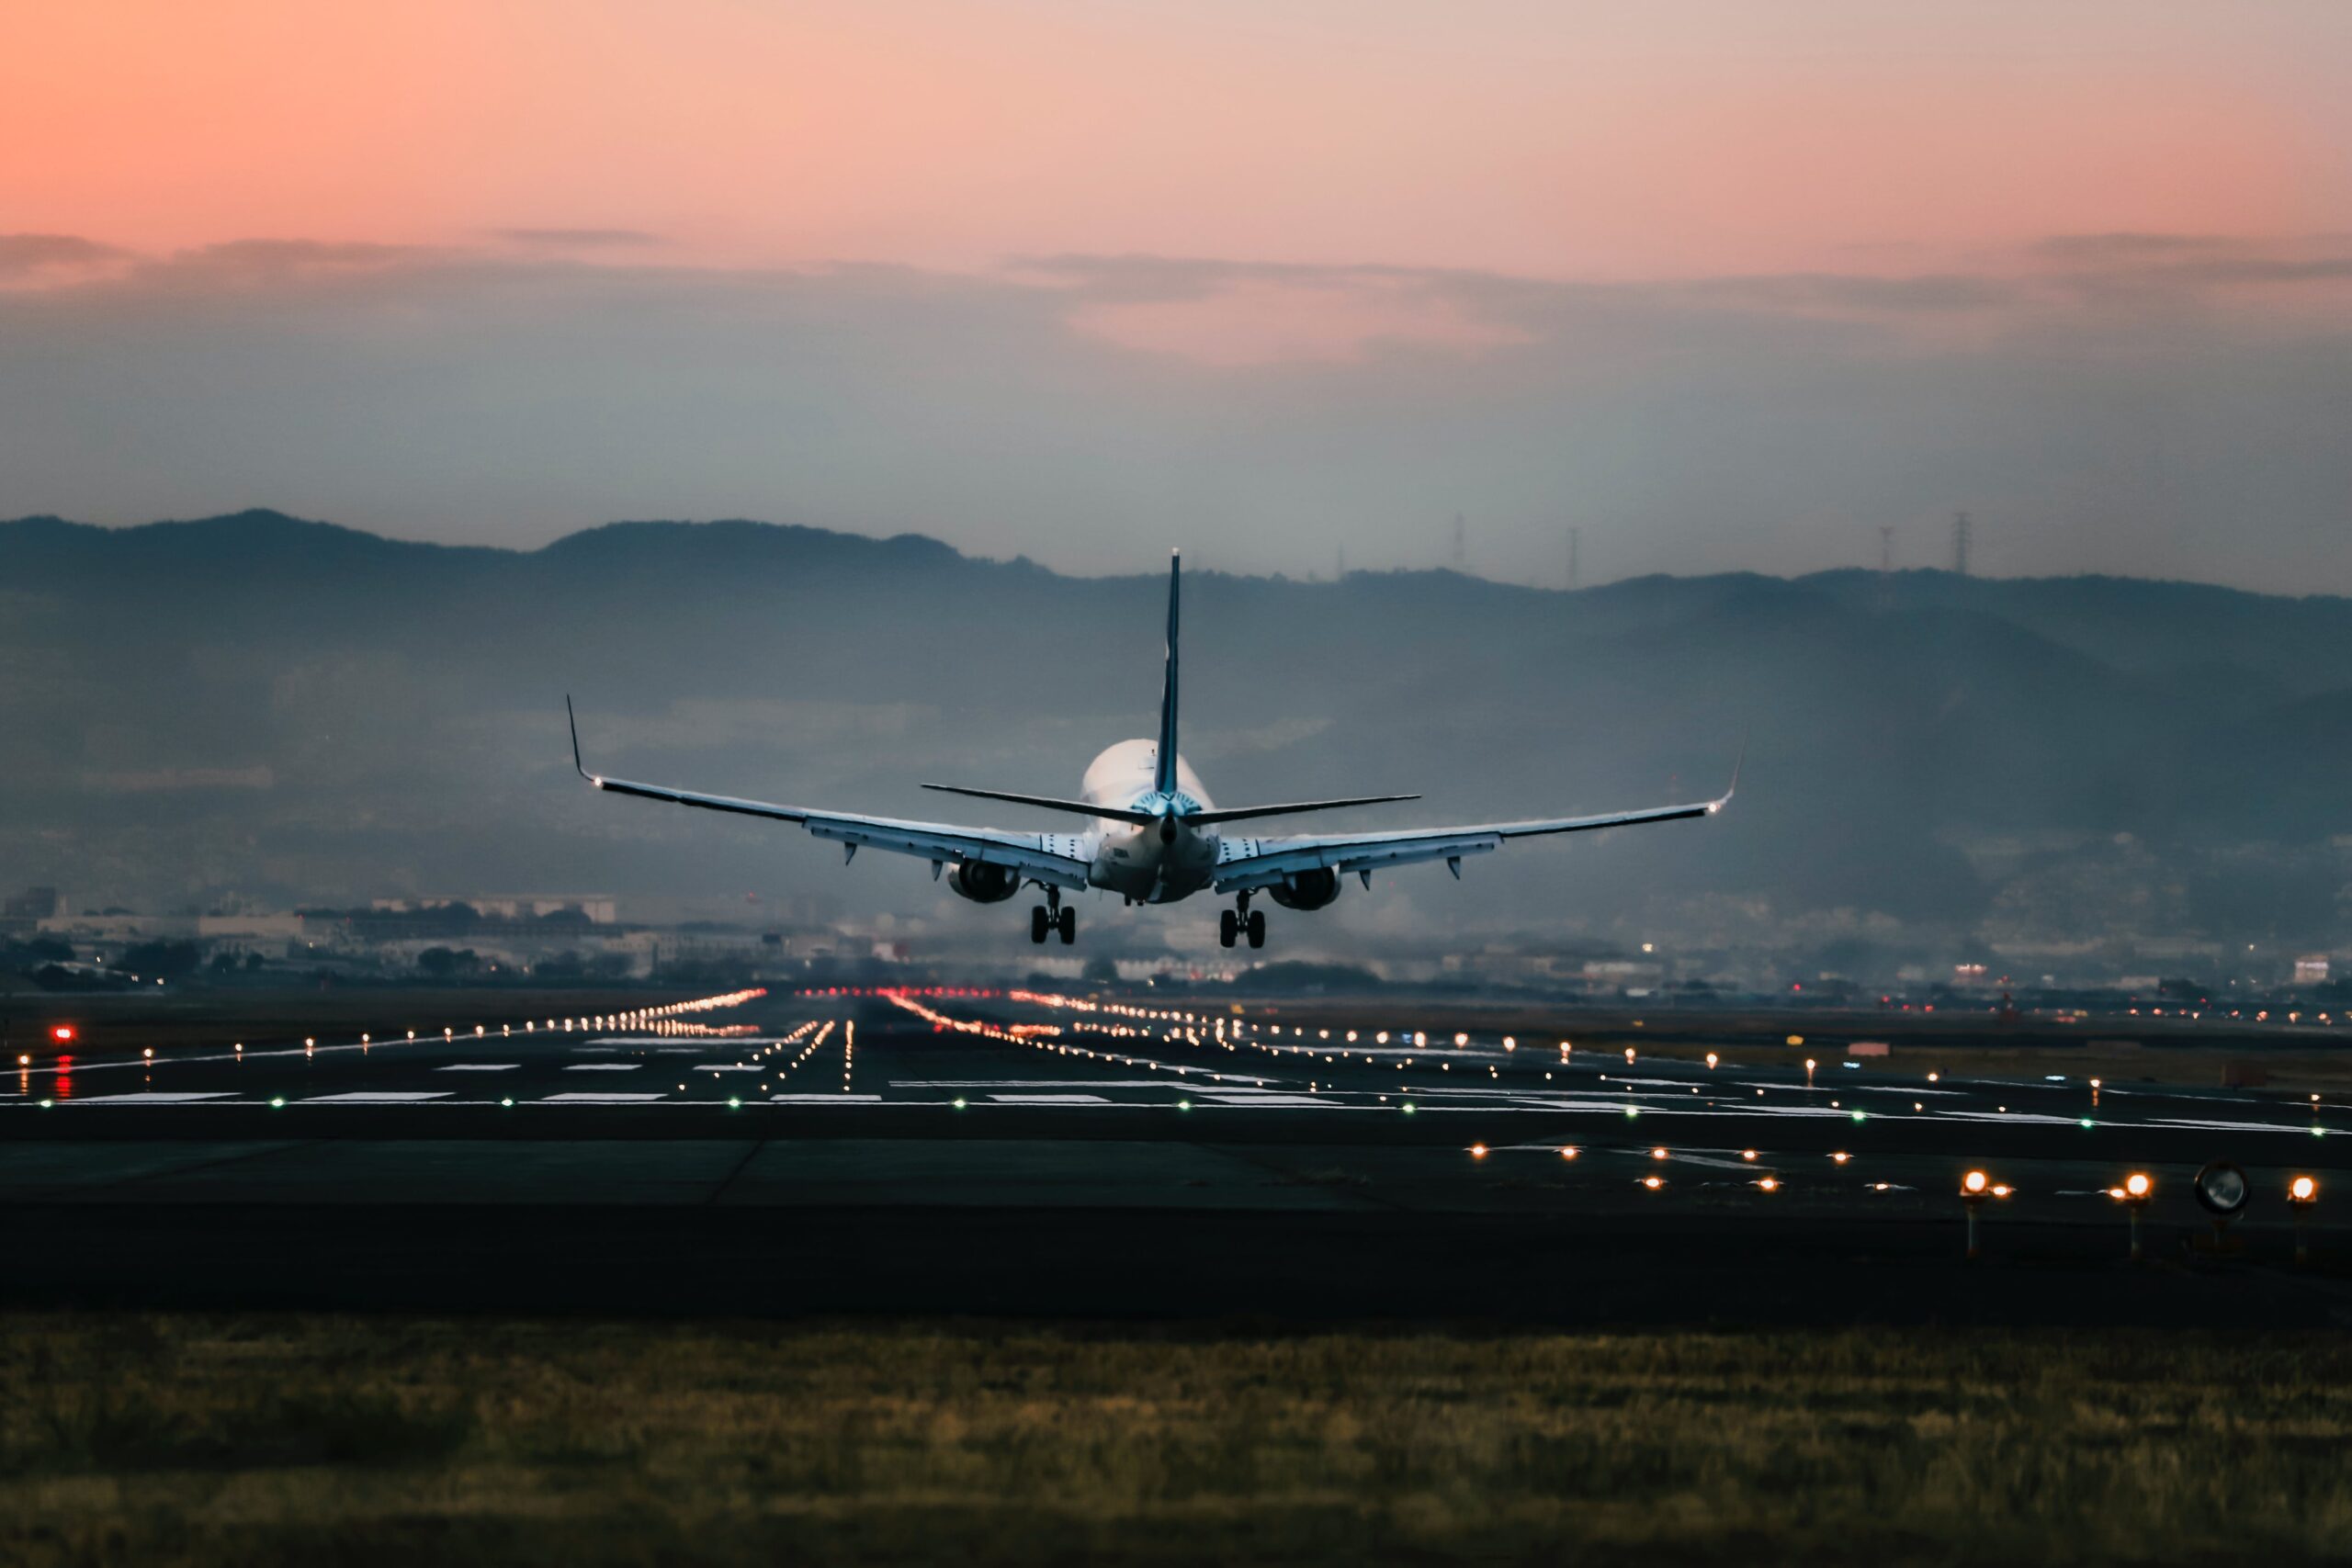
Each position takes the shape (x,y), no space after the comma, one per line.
(1012,1152)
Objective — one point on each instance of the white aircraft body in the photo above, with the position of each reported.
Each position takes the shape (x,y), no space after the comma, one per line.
(1153,835)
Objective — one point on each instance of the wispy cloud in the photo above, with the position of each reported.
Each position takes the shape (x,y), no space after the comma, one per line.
(2167,406)
(579,239)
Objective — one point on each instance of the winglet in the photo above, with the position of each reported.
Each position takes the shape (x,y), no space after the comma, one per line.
(572,719)
(1732,788)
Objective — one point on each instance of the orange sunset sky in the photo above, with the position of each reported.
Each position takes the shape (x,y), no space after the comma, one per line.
(1288,278)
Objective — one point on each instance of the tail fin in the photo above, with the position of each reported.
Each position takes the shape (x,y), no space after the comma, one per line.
(1164,777)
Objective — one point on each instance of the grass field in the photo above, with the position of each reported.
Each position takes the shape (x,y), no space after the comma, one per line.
(250,1440)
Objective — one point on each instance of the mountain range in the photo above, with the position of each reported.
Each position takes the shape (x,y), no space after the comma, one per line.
(2058,772)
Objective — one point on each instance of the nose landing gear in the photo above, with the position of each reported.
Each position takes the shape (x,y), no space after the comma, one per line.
(1050,916)
(1232,924)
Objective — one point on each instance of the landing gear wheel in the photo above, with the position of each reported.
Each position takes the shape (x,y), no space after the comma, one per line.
(1067,922)
(1257,928)
(1228,926)
(1038,923)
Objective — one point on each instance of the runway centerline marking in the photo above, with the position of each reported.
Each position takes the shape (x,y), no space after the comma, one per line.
(479,1067)
(597,1098)
(1049,1100)
(603,1066)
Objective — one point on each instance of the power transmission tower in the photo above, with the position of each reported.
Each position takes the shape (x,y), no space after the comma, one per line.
(1962,534)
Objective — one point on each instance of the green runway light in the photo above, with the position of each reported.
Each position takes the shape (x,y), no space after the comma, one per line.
(277,1102)
(1859,1117)
(507,1102)
(1408,1107)
(47,1103)
(1183,1105)
(734,1103)
(1632,1112)
(2085,1122)
(959,1103)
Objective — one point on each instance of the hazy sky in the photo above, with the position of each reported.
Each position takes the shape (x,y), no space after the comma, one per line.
(1724,284)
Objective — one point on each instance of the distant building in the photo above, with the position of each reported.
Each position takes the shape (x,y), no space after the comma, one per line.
(2312,969)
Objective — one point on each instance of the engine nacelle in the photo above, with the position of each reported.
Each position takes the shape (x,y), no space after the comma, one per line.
(1306,889)
(983,883)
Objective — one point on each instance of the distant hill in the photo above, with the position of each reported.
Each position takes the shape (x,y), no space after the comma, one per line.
(1936,764)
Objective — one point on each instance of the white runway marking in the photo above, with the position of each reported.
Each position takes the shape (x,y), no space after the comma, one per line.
(479,1067)
(597,1098)
(376,1096)
(728,1068)
(1049,1100)
(1029,1083)
(1256,1097)
(603,1066)
(822,1099)
(152,1099)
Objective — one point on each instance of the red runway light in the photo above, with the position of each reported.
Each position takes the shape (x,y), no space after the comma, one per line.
(62,1035)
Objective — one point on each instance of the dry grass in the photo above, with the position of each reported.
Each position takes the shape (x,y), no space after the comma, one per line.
(194,1440)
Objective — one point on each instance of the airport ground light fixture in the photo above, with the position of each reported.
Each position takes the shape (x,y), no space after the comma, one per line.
(2222,1191)
(2137,1189)
(2303,1193)
(1974,1188)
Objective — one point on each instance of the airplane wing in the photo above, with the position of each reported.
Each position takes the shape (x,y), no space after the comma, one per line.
(1059,859)
(1263,863)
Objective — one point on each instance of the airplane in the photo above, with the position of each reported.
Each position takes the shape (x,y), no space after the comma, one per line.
(1153,836)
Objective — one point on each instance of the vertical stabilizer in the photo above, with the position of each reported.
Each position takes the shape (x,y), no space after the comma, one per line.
(1164,773)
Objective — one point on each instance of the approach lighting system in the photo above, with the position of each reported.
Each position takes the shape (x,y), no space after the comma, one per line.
(1974,1187)
(2302,1193)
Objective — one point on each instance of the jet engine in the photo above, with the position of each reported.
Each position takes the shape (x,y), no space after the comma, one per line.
(1306,889)
(983,883)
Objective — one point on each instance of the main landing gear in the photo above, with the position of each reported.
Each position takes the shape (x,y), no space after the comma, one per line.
(1050,916)
(1232,923)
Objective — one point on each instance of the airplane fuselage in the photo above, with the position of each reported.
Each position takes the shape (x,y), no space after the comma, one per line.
(1154,863)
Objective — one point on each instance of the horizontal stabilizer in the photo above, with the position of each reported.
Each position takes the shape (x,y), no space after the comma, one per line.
(1047,802)
(1293,808)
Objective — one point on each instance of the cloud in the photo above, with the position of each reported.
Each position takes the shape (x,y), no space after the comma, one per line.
(578,239)
(48,258)
(2174,415)
(159,780)
(2130,249)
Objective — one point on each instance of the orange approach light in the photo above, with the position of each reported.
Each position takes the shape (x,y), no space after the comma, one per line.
(1973,1183)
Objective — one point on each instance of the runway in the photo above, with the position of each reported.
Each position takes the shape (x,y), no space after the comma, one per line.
(966,1151)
